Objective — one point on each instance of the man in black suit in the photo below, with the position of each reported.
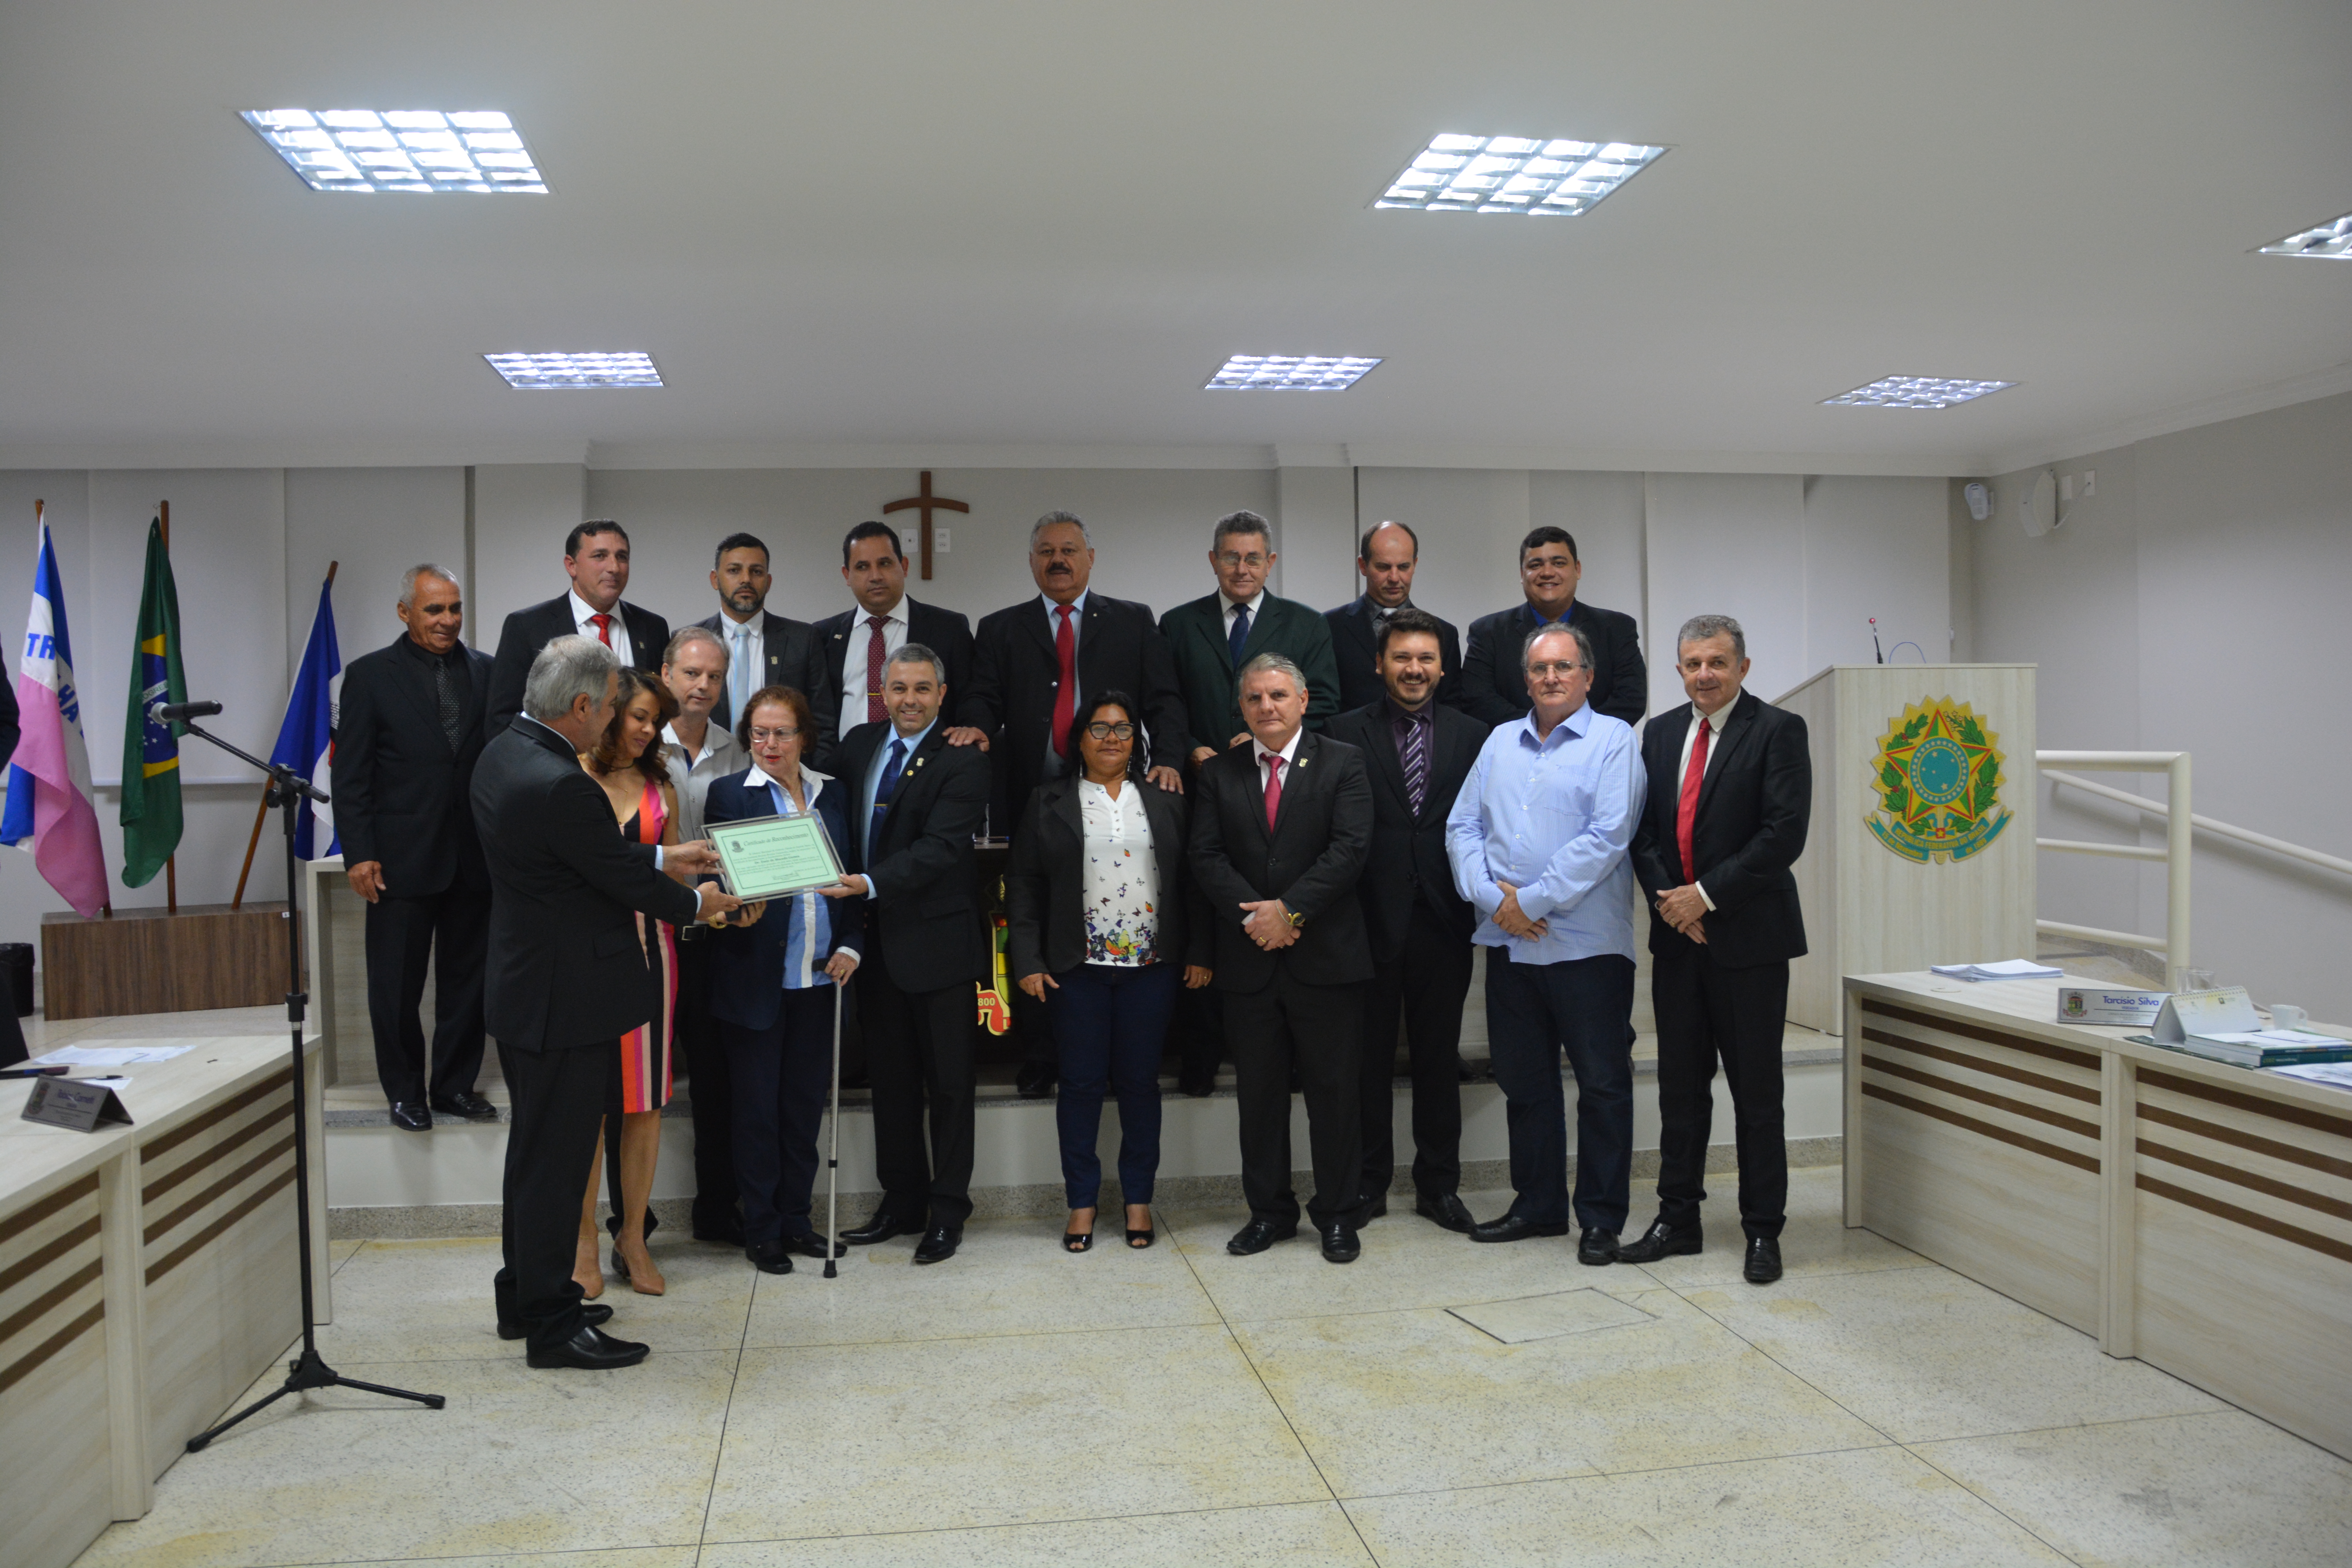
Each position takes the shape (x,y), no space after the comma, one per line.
(1032,663)
(409,730)
(1494,687)
(596,558)
(1279,834)
(852,648)
(919,802)
(1419,752)
(566,978)
(762,649)
(1731,791)
(1385,557)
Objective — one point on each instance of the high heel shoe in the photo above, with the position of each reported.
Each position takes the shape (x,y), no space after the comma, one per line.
(588,1276)
(1077,1240)
(655,1285)
(1140,1239)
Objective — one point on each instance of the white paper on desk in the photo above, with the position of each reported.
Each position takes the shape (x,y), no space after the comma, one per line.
(108,1055)
(2335,1074)
(2272,1038)
(2006,969)
(115,1083)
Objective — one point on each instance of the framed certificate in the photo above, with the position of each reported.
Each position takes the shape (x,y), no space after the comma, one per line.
(768,857)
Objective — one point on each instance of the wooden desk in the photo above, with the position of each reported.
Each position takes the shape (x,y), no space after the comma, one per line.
(2196,1215)
(151,1279)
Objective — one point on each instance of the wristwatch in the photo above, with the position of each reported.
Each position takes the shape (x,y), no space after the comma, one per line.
(1293,916)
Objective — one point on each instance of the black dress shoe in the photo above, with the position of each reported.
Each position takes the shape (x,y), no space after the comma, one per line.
(769,1257)
(1514,1227)
(1763,1265)
(1445,1211)
(1373,1208)
(1199,1085)
(808,1244)
(1661,1240)
(465,1104)
(591,1314)
(411,1116)
(1597,1247)
(1034,1081)
(1258,1235)
(939,1244)
(882,1227)
(1340,1243)
(592,1350)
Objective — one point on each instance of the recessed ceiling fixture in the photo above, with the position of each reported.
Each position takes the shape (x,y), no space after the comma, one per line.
(1291,372)
(2328,239)
(1913,392)
(1458,174)
(546,372)
(425,150)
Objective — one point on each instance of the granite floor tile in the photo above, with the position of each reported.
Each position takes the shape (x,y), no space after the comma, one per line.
(1293,1535)
(339,1253)
(627,1557)
(1816,1241)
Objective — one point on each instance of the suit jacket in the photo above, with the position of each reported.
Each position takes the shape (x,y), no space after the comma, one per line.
(565,966)
(1495,685)
(1206,664)
(528,631)
(399,789)
(788,645)
(1407,860)
(1016,675)
(945,632)
(1311,861)
(747,963)
(1044,881)
(926,912)
(1754,807)
(11,722)
(1357,652)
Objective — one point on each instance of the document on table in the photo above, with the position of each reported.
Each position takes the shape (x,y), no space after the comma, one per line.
(2335,1074)
(2007,969)
(108,1055)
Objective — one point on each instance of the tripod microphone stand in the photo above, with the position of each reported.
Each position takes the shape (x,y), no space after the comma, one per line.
(309,1370)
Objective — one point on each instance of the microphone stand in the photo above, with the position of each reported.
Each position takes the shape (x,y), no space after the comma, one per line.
(309,1370)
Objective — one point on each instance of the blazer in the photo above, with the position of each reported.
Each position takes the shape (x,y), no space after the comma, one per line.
(945,632)
(1016,676)
(10,723)
(788,645)
(1206,664)
(1044,881)
(1754,808)
(926,912)
(1357,652)
(1407,861)
(566,967)
(528,631)
(1495,685)
(747,963)
(1311,861)
(399,789)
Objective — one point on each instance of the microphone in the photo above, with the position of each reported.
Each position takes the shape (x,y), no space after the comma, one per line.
(1874,640)
(171,712)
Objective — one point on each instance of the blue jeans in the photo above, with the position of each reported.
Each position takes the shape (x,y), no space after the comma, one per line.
(1108,1026)
(1535,1011)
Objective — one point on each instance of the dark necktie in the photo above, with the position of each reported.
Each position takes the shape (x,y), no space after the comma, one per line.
(1066,694)
(444,692)
(1412,749)
(884,788)
(1273,789)
(1239,634)
(1686,808)
(874,656)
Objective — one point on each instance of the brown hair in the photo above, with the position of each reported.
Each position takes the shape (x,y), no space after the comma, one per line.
(787,697)
(606,752)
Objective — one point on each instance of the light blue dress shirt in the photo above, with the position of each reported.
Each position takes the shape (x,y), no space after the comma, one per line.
(809,936)
(864,823)
(1554,818)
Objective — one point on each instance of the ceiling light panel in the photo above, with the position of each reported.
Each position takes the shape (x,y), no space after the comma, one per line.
(2328,239)
(1460,174)
(1913,392)
(547,373)
(1291,372)
(422,150)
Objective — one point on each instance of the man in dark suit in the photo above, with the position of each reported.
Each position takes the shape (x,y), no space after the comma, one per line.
(1032,664)
(919,802)
(596,558)
(1419,752)
(565,979)
(845,677)
(1385,558)
(1494,687)
(1279,834)
(1731,791)
(410,728)
(762,649)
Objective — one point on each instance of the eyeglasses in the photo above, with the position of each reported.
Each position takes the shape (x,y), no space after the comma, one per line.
(1254,561)
(1111,731)
(759,735)
(1562,667)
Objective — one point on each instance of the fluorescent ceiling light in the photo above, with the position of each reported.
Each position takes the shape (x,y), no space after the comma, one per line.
(1290,373)
(2327,239)
(425,150)
(543,373)
(1913,392)
(1458,173)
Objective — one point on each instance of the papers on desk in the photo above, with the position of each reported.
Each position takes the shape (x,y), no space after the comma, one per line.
(108,1055)
(2260,1047)
(2335,1074)
(2007,969)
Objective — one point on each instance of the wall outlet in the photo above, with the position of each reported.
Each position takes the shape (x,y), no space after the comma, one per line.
(940,543)
(2090,482)
(910,540)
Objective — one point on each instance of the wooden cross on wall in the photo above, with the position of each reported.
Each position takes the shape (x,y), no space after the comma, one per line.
(926,501)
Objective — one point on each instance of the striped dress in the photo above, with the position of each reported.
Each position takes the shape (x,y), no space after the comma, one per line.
(646,1050)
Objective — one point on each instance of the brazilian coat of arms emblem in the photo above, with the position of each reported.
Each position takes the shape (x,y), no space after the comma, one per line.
(1938,774)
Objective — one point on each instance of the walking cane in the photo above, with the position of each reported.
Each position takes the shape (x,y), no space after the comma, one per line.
(832,1155)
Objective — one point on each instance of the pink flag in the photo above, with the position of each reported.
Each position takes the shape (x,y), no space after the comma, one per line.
(48,778)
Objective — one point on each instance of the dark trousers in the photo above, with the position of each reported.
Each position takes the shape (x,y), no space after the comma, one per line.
(453,929)
(1534,1012)
(1423,988)
(709,1088)
(556,1099)
(781,1074)
(1108,1023)
(1707,1013)
(919,1057)
(1316,1031)
(1199,1033)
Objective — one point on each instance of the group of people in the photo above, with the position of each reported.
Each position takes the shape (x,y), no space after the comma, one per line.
(1240,831)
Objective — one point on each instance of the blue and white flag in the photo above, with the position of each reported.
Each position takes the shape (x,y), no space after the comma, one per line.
(306,741)
(48,781)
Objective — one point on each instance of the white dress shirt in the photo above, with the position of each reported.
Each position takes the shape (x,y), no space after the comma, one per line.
(853,658)
(618,632)
(1715,722)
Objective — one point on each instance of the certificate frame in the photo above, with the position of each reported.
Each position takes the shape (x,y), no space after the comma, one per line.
(772,856)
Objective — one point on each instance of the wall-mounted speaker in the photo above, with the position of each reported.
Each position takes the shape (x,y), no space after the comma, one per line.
(1978,495)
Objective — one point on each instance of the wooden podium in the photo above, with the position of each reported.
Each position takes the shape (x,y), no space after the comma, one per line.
(1921,850)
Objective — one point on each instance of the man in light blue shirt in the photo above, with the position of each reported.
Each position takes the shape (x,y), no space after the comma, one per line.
(1538,839)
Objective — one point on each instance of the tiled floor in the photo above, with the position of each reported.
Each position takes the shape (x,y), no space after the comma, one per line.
(1181,1406)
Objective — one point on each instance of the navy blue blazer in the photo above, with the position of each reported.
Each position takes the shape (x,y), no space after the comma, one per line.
(747,963)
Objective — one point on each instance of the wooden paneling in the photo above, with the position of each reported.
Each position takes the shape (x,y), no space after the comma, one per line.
(52,1355)
(144,960)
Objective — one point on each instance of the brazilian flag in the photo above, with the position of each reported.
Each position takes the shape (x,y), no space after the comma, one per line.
(150,752)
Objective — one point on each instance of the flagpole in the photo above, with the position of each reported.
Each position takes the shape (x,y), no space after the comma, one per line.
(261,812)
(171,862)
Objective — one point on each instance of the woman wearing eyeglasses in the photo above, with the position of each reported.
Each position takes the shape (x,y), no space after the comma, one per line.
(1101,927)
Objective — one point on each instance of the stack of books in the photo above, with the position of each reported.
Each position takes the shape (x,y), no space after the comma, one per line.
(2260,1047)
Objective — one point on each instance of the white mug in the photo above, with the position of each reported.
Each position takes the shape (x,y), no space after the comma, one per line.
(2287,1016)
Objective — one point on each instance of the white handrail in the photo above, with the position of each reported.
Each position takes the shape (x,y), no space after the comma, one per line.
(2174,943)
(2205,824)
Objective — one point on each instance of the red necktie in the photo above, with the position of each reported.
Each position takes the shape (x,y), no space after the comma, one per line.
(873,656)
(1687,809)
(604,625)
(1066,694)
(1273,788)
